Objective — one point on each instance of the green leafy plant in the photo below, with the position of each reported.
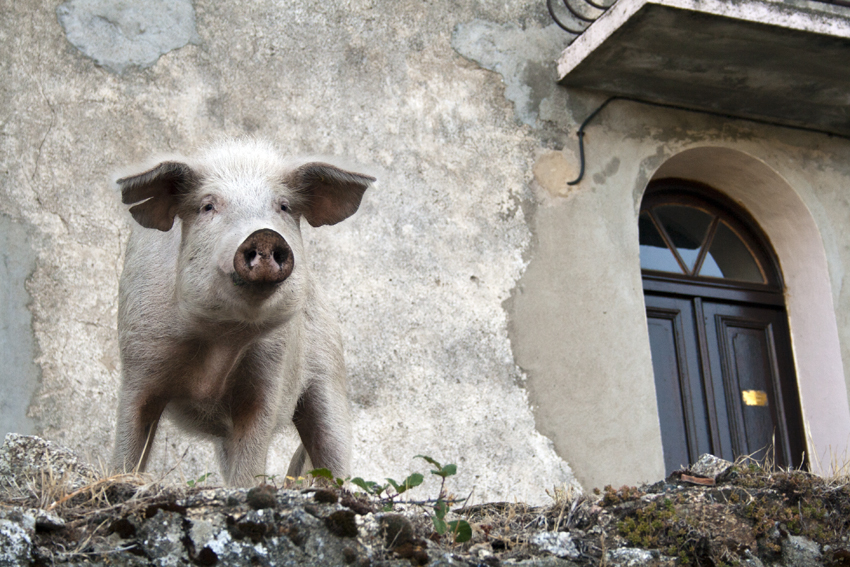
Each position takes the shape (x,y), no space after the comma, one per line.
(460,530)
(199,480)
(327,475)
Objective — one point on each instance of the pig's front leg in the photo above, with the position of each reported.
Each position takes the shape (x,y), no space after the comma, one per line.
(243,450)
(324,426)
(138,417)
(242,454)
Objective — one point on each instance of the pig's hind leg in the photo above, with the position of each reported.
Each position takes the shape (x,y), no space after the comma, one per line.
(300,464)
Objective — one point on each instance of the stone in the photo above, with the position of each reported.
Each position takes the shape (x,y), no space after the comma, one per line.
(635,557)
(161,539)
(798,551)
(556,543)
(47,521)
(15,544)
(545,562)
(26,457)
(710,466)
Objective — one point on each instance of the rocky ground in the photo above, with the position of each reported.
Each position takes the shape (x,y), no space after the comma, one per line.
(54,510)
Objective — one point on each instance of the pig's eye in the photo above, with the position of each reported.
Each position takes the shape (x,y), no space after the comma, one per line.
(284,207)
(207,208)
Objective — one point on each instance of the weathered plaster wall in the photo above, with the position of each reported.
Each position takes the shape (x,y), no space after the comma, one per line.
(493,316)
(418,275)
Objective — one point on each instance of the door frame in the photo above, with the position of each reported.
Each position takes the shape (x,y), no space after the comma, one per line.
(695,289)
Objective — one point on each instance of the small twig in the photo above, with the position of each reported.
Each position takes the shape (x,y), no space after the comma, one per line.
(83,517)
(111,479)
(561,513)
(420,502)
(463,508)
(573,509)
(177,464)
(75,493)
(70,555)
(603,562)
(88,539)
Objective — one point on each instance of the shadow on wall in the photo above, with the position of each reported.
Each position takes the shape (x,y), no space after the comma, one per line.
(19,376)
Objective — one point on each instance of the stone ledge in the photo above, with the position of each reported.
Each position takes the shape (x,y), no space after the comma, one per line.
(721,512)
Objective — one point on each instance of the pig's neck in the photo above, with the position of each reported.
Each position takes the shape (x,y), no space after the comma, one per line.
(209,359)
(217,359)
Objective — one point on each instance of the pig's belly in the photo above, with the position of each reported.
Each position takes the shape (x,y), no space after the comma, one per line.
(204,418)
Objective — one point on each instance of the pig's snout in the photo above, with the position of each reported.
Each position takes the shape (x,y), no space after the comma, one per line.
(264,259)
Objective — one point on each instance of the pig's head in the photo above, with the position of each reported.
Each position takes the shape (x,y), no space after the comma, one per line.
(239,207)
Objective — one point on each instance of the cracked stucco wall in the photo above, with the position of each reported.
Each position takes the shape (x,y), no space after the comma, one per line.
(418,275)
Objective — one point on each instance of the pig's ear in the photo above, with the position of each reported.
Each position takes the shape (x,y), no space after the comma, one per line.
(159,190)
(331,194)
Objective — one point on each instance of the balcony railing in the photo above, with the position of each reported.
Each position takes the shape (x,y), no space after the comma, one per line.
(574,16)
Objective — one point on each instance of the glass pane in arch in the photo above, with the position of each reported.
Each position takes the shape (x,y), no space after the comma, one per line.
(728,257)
(687,228)
(654,253)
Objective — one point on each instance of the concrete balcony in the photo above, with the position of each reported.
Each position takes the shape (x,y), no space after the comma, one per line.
(783,61)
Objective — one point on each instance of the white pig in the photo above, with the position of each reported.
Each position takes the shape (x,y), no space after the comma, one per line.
(221,325)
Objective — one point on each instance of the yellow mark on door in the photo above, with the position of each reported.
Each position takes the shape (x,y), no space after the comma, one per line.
(754,397)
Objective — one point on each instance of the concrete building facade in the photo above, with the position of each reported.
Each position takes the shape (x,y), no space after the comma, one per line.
(490,288)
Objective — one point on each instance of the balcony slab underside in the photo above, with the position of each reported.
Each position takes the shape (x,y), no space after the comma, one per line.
(766,60)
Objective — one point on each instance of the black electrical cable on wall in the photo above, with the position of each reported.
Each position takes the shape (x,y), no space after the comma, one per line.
(592,115)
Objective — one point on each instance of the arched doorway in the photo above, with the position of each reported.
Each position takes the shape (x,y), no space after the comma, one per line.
(718,329)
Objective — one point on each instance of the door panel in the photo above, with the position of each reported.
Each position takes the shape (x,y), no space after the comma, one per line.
(678,380)
(752,375)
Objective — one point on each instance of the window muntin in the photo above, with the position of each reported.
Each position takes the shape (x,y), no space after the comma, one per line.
(654,252)
(728,257)
(687,228)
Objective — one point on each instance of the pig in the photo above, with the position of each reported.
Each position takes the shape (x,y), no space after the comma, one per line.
(221,325)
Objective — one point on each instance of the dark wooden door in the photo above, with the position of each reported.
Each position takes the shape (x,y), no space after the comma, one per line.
(724,380)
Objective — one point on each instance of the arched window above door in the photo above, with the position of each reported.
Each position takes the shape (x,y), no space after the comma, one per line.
(689,232)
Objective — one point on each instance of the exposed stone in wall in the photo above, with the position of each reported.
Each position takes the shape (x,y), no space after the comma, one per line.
(520,56)
(119,34)
(18,373)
